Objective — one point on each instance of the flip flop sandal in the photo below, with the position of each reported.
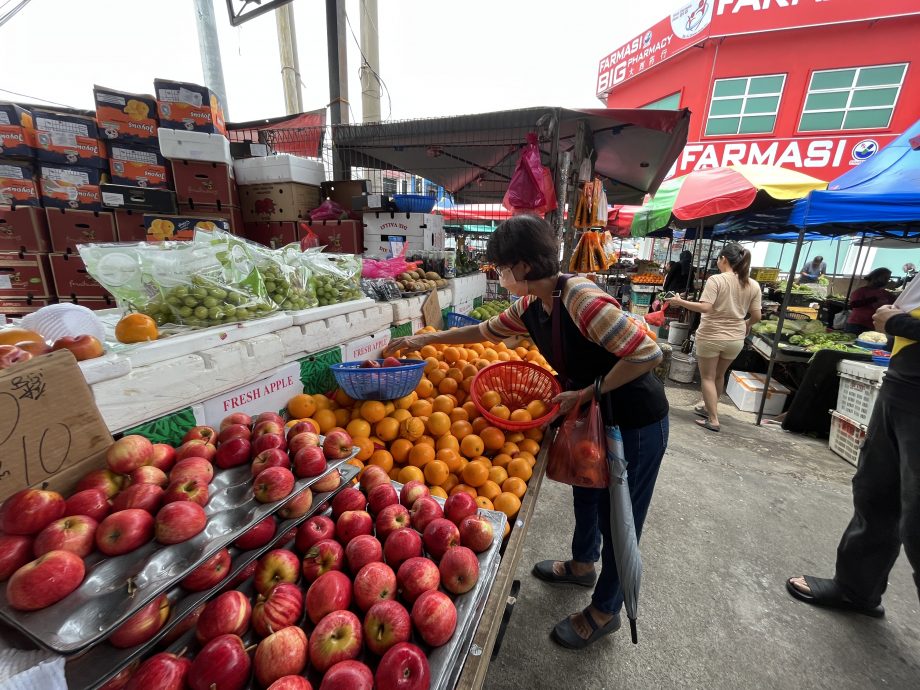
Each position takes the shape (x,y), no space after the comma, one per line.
(700,410)
(565,634)
(827,594)
(544,571)
(705,423)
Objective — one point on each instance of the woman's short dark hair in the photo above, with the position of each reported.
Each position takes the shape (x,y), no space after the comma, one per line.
(529,239)
(878,273)
(739,259)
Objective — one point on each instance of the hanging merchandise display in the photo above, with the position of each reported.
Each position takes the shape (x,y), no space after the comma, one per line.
(589,255)
(531,189)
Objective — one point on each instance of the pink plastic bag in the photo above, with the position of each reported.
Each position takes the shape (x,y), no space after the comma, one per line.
(309,239)
(526,189)
(388,268)
(329,210)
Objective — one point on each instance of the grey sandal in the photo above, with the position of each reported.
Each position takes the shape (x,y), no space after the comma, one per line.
(700,411)
(565,634)
(544,571)
(826,593)
(706,424)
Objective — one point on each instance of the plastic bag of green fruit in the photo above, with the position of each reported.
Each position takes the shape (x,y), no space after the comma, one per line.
(336,277)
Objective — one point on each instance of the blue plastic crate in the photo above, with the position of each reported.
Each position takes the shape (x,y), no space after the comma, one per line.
(455,320)
(385,383)
(641,298)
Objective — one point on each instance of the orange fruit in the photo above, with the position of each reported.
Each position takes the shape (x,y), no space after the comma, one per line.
(520,416)
(489,489)
(342,416)
(472,412)
(401,415)
(531,460)
(436,472)
(463,487)
(492,437)
(479,424)
(449,483)
(389,407)
(438,424)
(438,491)
(365,448)
(483,460)
(507,503)
(514,437)
(405,402)
(356,413)
(534,434)
(529,446)
(504,357)
(387,429)
(469,370)
(444,404)
(484,503)
(342,398)
(412,428)
(490,399)
(429,351)
(501,460)
(500,411)
(451,355)
(461,463)
(426,440)
(448,442)
(326,420)
(358,428)
(506,530)
(410,473)
(510,449)
(421,454)
(301,406)
(394,473)
(447,386)
(382,458)
(520,468)
(455,374)
(322,402)
(467,385)
(373,411)
(357,463)
(471,446)
(490,355)
(436,377)
(515,485)
(459,414)
(536,408)
(461,429)
(431,363)
(450,458)
(133,328)
(498,475)
(420,408)
(399,449)
(475,474)
(424,388)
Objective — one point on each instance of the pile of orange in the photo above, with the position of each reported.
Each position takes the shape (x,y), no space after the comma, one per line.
(436,434)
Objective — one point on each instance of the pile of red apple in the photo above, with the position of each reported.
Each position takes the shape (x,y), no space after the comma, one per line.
(387,363)
(355,592)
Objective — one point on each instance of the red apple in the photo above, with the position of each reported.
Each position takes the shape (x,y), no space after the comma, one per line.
(412,491)
(440,535)
(298,506)
(278,565)
(331,592)
(386,624)
(281,607)
(90,502)
(240,418)
(459,506)
(192,468)
(424,510)
(374,582)
(10,355)
(75,533)
(273,457)
(241,577)
(269,417)
(434,617)
(417,576)
(302,428)
(382,496)
(164,457)
(196,448)
(124,531)
(209,574)
(258,535)
(228,614)
(312,531)
(148,474)
(348,675)
(128,453)
(184,624)
(309,461)
(201,433)
(459,570)
(390,519)
(400,546)
(44,581)
(163,671)
(193,490)
(15,552)
(362,550)
(323,557)
(302,440)
(232,453)
(273,484)
(336,638)
(347,499)
(143,625)
(233,431)
(476,533)
(328,483)
(283,653)
(351,523)
(267,426)
(337,445)
(371,476)
(106,481)
(82,346)
(147,497)
(180,521)
(31,510)
(222,664)
(291,683)
(266,441)
(403,667)
(121,679)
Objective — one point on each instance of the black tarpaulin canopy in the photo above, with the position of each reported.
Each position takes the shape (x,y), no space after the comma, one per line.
(473,156)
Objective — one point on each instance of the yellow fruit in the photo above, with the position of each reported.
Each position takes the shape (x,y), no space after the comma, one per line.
(448,442)
(536,408)
(438,491)
(401,415)
(410,473)
(405,402)
(444,404)
(373,411)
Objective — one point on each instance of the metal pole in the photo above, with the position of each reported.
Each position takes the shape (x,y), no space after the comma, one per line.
(779,329)
(338,76)
(209,48)
(855,266)
(290,65)
(837,255)
(370,87)
(782,250)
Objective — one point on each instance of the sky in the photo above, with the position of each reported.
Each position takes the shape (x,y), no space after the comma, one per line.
(437,58)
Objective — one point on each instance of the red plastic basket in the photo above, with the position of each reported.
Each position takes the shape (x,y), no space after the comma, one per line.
(518,383)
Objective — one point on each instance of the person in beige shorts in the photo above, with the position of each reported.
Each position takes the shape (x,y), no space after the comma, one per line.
(729,306)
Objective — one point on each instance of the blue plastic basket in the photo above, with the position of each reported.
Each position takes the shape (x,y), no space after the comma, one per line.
(414,203)
(385,383)
(455,320)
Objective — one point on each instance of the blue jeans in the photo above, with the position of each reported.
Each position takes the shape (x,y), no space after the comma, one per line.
(644,449)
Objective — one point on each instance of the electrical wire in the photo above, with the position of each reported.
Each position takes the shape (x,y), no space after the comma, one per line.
(36,98)
(367,65)
(12,13)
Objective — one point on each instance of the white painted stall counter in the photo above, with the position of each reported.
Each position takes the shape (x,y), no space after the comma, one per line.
(404,310)
(468,288)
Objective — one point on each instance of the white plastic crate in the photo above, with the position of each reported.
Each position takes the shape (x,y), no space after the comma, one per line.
(280,168)
(856,397)
(846,437)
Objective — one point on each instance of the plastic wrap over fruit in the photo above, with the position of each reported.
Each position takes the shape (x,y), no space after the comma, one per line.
(336,277)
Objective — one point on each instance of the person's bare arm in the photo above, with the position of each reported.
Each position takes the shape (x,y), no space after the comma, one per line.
(699,307)
(455,336)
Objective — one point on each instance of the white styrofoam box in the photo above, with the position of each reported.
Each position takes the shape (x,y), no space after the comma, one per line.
(319,313)
(862,370)
(283,167)
(104,368)
(468,288)
(745,390)
(463,307)
(368,347)
(317,335)
(427,229)
(269,394)
(180,144)
(234,363)
(407,309)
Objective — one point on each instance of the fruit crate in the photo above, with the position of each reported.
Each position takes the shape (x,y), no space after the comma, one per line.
(846,437)
(765,275)
(641,298)
(856,397)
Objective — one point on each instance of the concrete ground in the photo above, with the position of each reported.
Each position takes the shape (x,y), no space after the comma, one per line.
(734,515)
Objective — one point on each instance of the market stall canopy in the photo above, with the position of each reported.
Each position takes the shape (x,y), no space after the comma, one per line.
(474,156)
(707,196)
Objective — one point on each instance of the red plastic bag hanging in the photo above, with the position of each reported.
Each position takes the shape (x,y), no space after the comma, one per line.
(308,238)
(526,189)
(578,455)
(656,318)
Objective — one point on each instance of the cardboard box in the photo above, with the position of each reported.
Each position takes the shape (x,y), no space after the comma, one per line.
(272,234)
(18,184)
(231,214)
(129,226)
(17,308)
(165,227)
(25,276)
(419,231)
(745,390)
(68,139)
(138,167)
(126,197)
(369,202)
(204,183)
(65,186)
(55,434)
(278,201)
(337,236)
(343,192)
(189,106)
(68,228)
(126,118)
(23,229)
(71,279)
(17,132)
(245,149)
(94,303)
(270,393)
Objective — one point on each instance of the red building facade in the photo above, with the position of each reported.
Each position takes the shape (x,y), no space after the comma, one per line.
(814,85)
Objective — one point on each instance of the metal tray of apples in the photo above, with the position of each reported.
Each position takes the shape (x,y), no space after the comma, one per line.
(95,667)
(115,588)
